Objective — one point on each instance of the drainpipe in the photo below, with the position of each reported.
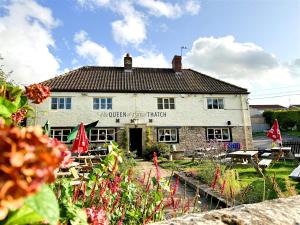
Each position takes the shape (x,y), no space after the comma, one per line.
(244,107)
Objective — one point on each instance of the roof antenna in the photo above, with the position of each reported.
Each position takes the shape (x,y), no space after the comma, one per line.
(181,48)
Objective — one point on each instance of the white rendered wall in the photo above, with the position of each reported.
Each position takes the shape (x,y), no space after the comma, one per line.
(191,110)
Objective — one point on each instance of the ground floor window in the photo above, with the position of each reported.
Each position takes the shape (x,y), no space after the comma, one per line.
(220,134)
(167,134)
(102,134)
(60,134)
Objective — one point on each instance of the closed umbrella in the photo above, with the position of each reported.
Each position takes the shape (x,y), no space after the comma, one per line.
(274,133)
(81,143)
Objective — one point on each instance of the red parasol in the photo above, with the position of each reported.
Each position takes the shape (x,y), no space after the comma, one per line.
(81,143)
(274,132)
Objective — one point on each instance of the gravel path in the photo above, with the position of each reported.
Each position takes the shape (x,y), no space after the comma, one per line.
(145,166)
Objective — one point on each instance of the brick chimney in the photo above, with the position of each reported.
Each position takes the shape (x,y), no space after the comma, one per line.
(176,63)
(128,62)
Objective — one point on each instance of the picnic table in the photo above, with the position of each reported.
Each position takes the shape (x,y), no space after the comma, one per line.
(281,151)
(250,156)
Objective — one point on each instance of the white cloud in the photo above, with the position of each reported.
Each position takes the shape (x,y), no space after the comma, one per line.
(244,64)
(93,52)
(150,59)
(25,39)
(170,9)
(160,8)
(132,28)
(193,7)
(228,58)
(93,3)
(80,36)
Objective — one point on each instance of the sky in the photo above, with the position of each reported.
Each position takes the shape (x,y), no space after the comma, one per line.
(254,44)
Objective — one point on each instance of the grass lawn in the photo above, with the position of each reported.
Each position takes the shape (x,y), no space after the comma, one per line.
(247,177)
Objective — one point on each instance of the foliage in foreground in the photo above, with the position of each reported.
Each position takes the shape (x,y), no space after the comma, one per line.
(112,195)
(28,159)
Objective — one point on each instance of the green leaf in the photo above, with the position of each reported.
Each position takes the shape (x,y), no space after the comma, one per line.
(8,104)
(4,112)
(24,215)
(45,204)
(23,101)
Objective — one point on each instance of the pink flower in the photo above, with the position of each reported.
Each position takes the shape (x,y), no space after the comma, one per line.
(116,184)
(18,116)
(96,216)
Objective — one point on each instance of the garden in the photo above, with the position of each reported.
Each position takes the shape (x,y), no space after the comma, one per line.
(239,184)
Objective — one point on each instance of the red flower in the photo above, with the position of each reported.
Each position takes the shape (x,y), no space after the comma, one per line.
(156,167)
(18,116)
(37,93)
(217,176)
(67,159)
(154,211)
(175,187)
(223,186)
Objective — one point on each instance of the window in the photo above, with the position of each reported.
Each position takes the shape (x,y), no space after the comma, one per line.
(215,103)
(102,103)
(167,135)
(61,103)
(220,134)
(60,134)
(102,135)
(165,103)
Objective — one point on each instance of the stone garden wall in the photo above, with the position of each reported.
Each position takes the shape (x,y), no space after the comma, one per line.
(285,211)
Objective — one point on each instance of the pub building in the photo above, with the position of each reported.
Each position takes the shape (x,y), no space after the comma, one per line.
(177,106)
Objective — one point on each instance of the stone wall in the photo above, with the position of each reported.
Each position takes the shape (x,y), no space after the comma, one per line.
(240,135)
(284,211)
(191,138)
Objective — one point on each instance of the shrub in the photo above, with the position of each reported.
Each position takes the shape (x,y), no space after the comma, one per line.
(287,119)
(161,149)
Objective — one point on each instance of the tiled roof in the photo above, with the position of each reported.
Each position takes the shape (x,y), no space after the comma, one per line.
(142,80)
(267,107)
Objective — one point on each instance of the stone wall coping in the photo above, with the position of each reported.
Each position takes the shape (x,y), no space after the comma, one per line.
(283,211)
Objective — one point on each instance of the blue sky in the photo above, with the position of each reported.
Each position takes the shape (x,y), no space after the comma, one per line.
(251,43)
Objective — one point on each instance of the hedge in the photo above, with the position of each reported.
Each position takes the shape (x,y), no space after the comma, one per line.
(287,119)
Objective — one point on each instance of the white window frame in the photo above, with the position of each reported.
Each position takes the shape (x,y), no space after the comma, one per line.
(166,103)
(52,133)
(105,103)
(169,133)
(221,133)
(58,103)
(106,134)
(218,103)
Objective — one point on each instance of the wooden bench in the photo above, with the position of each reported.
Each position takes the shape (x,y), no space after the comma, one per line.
(264,163)
(295,174)
(266,155)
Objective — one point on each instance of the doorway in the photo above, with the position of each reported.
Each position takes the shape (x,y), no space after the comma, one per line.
(135,138)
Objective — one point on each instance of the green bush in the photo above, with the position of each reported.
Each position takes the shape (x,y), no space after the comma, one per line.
(161,149)
(287,119)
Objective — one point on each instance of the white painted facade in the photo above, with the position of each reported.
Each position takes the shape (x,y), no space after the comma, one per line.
(190,110)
